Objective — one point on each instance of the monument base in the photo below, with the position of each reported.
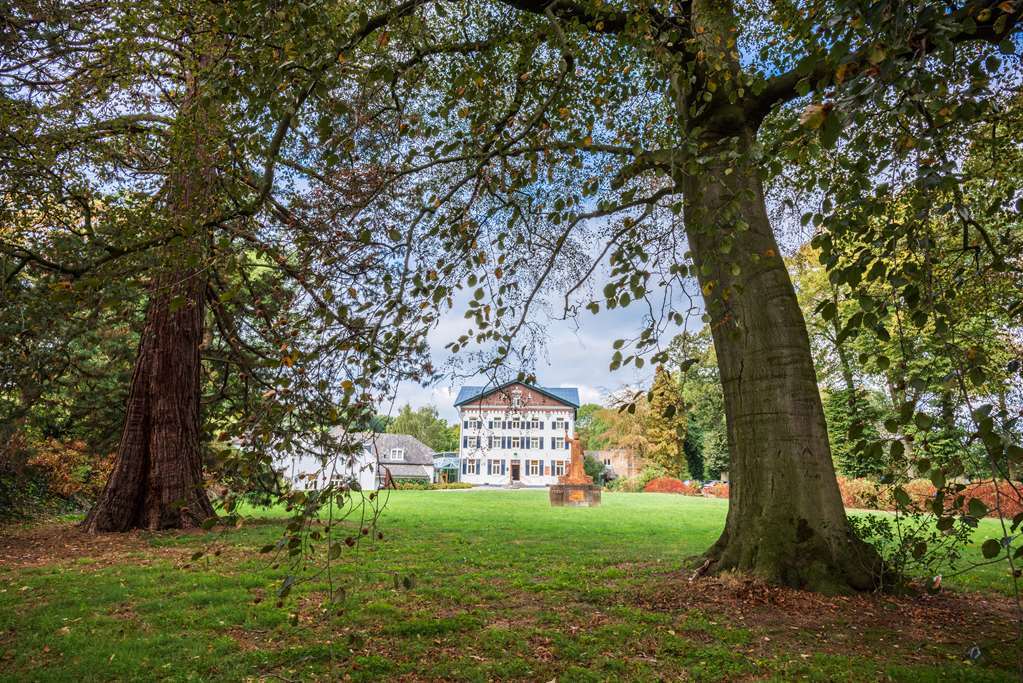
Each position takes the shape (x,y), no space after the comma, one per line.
(575,495)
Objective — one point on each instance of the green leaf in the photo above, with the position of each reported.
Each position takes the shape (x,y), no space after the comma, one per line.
(831,129)
(901,497)
(977,508)
(1016,521)
(991,548)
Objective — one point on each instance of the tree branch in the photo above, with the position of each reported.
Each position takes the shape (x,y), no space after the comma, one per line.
(979,21)
(602,21)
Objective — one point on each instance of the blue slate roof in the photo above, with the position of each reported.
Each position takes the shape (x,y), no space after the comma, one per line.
(567,395)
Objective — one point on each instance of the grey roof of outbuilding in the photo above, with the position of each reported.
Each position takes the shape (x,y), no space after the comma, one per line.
(404,470)
(566,395)
(416,452)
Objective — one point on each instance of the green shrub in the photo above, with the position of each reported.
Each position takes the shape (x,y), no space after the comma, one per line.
(420,485)
(649,473)
(412,484)
(639,482)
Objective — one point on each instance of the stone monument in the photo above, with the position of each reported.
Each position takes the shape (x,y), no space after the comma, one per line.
(575,487)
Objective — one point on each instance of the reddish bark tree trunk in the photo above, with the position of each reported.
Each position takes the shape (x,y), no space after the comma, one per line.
(157,480)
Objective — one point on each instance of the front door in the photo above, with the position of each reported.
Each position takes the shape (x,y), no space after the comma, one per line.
(516,474)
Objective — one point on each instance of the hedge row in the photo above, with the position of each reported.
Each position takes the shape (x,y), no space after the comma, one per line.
(416,485)
(673,485)
(868,495)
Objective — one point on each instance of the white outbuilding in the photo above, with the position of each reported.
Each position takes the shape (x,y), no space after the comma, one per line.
(383,458)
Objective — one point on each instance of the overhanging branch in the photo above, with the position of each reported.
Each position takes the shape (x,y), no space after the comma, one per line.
(989,21)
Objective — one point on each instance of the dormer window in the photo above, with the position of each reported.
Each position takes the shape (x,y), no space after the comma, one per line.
(516,398)
(397,454)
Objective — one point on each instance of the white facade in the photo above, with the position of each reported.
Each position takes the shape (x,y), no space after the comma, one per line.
(307,472)
(504,444)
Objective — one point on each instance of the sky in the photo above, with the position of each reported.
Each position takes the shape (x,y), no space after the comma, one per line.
(577,354)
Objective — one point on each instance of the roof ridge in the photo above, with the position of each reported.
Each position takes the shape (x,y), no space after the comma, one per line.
(566,395)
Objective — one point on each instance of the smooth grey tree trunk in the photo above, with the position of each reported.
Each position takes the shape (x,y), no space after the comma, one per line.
(786,522)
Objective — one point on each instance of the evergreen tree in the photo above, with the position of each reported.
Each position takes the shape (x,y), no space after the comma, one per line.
(694,452)
(853,414)
(665,425)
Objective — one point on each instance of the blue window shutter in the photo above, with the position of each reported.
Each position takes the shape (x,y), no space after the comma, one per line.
(541,442)
(465,442)
(566,444)
(504,464)
(464,466)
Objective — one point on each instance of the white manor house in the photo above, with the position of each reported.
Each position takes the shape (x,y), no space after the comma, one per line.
(514,433)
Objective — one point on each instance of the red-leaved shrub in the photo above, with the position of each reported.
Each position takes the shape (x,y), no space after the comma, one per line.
(867,495)
(71,470)
(671,485)
(861,493)
(921,491)
(716,490)
(1004,495)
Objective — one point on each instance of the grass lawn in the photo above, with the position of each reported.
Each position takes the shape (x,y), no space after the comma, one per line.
(505,587)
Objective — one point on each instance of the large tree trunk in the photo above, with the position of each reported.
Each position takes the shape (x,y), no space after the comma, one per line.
(157,480)
(786,523)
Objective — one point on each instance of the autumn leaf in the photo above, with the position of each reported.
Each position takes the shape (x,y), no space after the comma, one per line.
(813,116)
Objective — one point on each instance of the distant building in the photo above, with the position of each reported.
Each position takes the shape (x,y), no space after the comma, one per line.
(445,467)
(515,433)
(383,457)
(619,462)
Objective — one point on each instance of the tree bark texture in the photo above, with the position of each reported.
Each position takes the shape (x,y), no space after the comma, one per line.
(786,522)
(157,481)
